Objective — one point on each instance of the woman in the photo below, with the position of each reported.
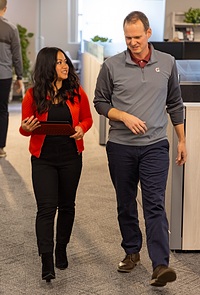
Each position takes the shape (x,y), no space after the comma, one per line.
(56,159)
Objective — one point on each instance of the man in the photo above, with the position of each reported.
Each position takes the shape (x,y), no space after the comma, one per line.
(10,56)
(135,90)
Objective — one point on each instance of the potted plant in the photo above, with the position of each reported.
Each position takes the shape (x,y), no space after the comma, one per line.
(106,43)
(97,38)
(192,16)
(24,40)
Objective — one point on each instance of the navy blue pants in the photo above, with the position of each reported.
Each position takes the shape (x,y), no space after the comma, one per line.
(5,86)
(55,177)
(148,164)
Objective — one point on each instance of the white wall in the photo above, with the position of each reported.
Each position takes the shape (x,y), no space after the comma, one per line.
(54,22)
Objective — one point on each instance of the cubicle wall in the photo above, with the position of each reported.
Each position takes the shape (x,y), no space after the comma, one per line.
(183,190)
(90,70)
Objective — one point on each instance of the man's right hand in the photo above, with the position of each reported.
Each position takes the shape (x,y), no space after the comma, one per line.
(136,125)
(18,84)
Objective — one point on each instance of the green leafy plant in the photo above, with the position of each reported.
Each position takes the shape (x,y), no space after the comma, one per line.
(24,40)
(192,16)
(100,39)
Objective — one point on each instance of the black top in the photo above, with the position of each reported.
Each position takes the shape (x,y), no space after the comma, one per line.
(59,112)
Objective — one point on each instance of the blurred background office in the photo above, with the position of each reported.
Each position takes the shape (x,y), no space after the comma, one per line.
(67,22)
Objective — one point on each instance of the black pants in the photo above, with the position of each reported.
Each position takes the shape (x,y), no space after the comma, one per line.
(149,164)
(55,177)
(5,85)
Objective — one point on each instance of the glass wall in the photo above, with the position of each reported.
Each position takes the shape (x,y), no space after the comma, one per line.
(105,17)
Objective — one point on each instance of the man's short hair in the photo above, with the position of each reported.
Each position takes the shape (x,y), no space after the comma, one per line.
(3,4)
(134,16)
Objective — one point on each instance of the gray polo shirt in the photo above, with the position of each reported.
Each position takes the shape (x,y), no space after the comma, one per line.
(148,93)
(10,50)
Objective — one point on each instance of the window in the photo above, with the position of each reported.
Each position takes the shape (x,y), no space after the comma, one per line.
(80,20)
(87,18)
(73,20)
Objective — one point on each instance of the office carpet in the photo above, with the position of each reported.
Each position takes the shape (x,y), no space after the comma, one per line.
(94,250)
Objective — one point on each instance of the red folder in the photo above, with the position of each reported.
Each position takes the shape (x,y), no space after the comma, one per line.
(54,128)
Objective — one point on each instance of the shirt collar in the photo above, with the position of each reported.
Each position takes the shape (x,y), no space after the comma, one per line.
(142,62)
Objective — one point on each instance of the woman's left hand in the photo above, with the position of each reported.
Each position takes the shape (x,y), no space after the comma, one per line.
(79,133)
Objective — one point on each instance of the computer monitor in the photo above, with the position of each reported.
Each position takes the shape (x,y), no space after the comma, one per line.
(174,48)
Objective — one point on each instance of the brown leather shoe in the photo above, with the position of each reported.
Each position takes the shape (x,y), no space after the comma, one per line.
(2,153)
(162,275)
(129,262)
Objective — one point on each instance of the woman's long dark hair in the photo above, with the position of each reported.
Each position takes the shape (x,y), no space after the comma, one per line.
(44,75)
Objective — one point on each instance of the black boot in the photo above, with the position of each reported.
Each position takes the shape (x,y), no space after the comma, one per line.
(48,272)
(61,256)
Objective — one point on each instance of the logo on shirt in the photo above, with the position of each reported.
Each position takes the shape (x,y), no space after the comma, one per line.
(157,70)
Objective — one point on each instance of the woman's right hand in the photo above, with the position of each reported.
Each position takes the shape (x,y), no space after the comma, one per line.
(30,123)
